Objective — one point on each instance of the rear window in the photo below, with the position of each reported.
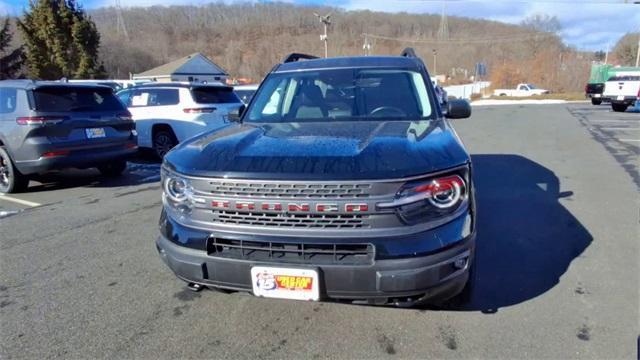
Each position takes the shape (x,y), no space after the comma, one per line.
(71,99)
(214,95)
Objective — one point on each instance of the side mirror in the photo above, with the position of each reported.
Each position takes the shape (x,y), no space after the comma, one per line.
(458,109)
(236,114)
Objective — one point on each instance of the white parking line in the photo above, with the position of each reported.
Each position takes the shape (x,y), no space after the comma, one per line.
(614,120)
(620,129)
(630,140)
(19,201)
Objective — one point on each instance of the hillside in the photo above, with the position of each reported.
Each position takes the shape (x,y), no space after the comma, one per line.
(248,39)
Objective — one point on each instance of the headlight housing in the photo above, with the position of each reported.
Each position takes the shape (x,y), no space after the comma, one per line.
(431,198)
(178,193)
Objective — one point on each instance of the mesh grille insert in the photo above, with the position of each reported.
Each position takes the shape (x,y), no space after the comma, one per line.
(290,190)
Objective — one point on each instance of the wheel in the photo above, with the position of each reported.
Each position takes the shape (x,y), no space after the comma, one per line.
(113,169)
(163,141)
(619,107)
(596,101)
(11,180)
(503,94)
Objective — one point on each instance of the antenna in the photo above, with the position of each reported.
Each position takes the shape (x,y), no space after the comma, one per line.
(326,21)
(120,21)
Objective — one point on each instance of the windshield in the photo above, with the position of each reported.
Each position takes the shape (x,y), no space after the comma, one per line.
(342,94)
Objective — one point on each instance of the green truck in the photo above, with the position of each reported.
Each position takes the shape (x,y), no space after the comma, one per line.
(600,73)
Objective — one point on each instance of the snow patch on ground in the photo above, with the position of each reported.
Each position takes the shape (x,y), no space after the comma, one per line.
(484,102)
(5,213)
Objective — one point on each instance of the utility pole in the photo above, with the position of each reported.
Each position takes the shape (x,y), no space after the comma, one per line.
(435,62)
(120,21)
(366,46)
(638,53)
(443,31)
(325,20)
(606,56)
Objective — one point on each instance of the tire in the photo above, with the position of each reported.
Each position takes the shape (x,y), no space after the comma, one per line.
(596,101)
(619,107)
(11,180)
(163,141)
(113,169)
(502,94)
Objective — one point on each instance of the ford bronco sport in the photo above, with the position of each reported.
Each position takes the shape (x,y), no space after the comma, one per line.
(340,180)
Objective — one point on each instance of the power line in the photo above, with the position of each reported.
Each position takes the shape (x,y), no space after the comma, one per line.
(464,41)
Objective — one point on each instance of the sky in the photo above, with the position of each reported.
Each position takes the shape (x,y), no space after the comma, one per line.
(587,24)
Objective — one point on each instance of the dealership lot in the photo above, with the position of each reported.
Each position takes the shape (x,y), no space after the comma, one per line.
(557,235)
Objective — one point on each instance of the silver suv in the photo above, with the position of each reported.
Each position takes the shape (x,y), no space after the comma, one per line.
(52,125)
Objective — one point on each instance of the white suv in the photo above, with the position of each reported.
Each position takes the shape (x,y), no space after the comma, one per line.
(168,113)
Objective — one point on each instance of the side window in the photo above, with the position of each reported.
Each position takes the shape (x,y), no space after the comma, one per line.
(271,107)
(522,87)
(155,97)
(8,99)
(125,97)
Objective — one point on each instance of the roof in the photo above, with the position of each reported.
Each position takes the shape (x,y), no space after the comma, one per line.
(351,62)
(32,84)
(180,84)
(194,64)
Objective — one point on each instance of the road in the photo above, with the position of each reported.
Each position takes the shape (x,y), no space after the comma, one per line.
(557,189)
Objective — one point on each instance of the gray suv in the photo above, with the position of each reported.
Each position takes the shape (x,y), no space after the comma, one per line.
(53,125)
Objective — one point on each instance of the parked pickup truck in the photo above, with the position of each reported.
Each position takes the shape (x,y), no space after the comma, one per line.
(341,179)
(521,90)
(622,91)
(600,73)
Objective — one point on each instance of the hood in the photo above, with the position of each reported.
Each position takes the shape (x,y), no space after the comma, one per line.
(321,150)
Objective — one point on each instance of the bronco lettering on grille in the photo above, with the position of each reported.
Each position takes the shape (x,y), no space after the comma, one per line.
(290,207)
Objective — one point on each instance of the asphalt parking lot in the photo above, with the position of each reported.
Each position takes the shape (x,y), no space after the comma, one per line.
(557,189)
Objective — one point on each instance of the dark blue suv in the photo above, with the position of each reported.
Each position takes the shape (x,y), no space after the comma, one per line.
(340,180)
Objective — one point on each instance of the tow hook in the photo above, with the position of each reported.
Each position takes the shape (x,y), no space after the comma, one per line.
(194,287)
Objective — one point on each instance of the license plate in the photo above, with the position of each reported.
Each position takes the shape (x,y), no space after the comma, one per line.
(95,133)
(285,283)
(597,95)
(620,97)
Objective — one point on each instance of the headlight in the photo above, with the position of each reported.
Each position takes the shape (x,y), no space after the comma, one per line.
(178,193)
(430,199)
(176,188)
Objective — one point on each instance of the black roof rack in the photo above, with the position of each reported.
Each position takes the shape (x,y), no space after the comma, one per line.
(297,56)
(409,52)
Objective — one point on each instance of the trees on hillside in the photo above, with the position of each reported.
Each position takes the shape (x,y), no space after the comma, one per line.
(626,49)
(10,60)
(60,40)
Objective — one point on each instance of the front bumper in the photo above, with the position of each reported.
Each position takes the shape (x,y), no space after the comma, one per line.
(430,277)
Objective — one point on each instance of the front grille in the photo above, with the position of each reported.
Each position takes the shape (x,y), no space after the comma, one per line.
(289,190)
(285,220)
(343,254)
